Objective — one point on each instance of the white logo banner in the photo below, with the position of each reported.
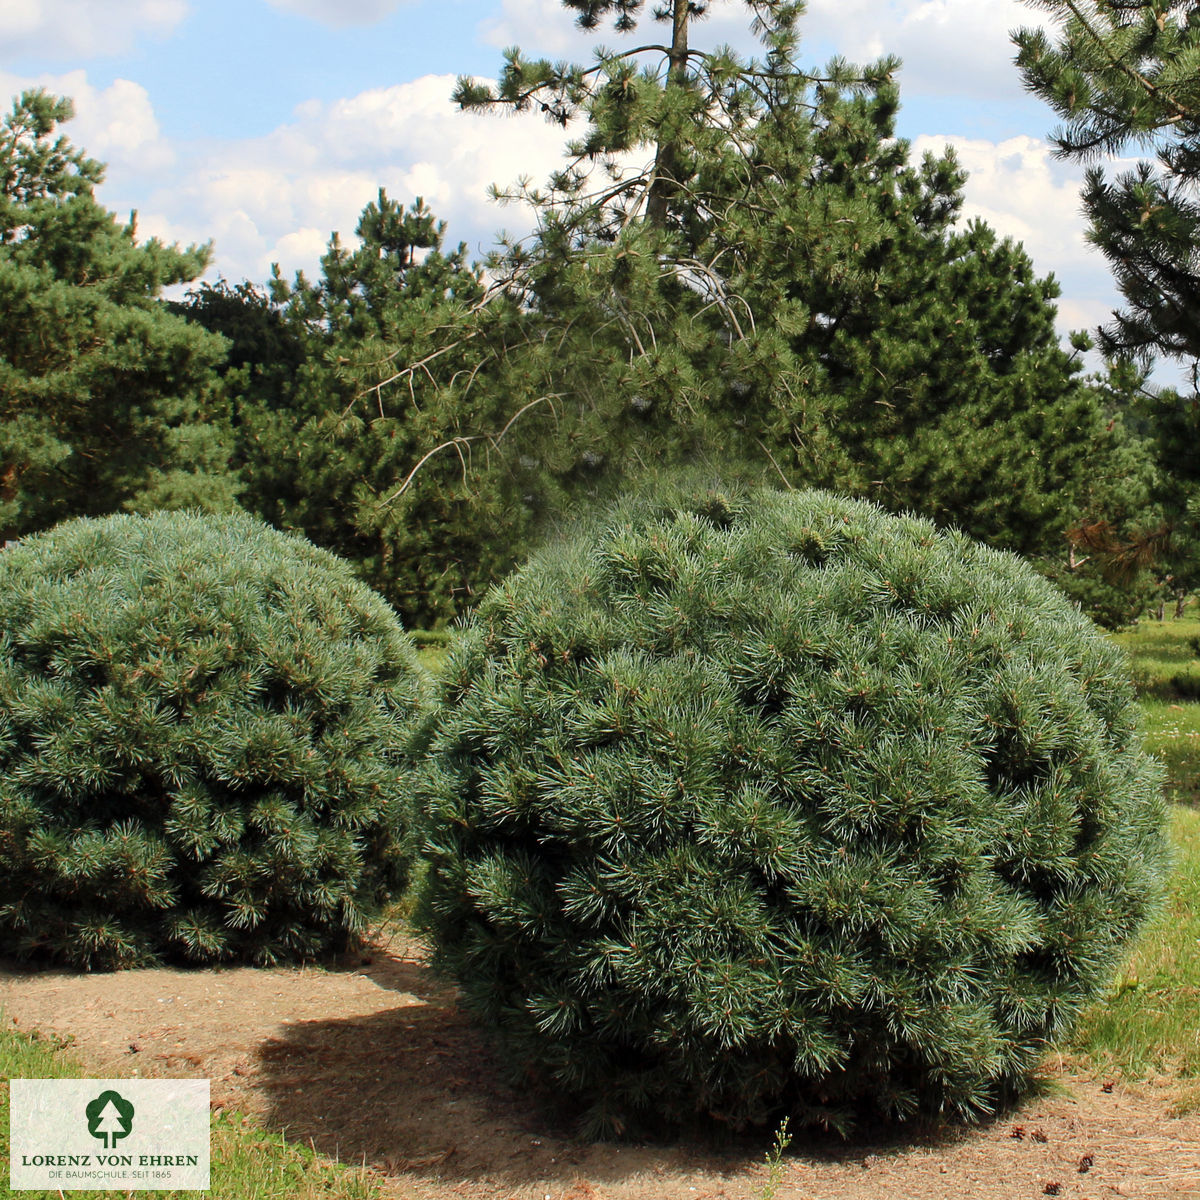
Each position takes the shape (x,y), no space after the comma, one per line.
(92,1134)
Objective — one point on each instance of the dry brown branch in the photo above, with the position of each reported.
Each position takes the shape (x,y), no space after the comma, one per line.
(461,443)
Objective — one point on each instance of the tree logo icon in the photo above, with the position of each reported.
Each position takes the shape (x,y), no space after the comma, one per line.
(109,1116)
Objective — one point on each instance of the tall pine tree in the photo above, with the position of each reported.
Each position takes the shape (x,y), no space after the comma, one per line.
(105,396)
(738,262)
(1125,74)
(1121,74)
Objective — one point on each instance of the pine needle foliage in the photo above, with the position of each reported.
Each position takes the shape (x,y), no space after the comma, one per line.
(106,398)
(1125,75)
(203,725)
(746,803)
(1122,74)
(738,261)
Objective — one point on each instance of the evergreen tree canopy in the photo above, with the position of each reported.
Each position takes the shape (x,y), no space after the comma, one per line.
(1122,74)
(742,802)
(1127,73)
(319,449)
(203,744)
(265,351)
(103,394)
(738,262)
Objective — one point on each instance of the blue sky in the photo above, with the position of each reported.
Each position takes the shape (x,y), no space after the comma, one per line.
(263,125)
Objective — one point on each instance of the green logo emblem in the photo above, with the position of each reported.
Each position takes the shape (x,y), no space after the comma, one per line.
(109,1117)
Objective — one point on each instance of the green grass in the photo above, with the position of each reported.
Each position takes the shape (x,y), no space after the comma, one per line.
(432,654)
(1161,657)
(1165,667)
(247,1163)
(1148,1025)
(1173,736)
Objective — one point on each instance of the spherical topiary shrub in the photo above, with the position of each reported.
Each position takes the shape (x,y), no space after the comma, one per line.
(202,744)
(763,802)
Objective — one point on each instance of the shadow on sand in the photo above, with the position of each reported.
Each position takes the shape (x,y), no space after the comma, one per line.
(415,1089)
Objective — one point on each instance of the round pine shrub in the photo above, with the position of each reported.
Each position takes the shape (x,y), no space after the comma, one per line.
(750,803)
(203,729)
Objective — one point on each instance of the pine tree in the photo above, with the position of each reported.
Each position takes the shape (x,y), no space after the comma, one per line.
(204,729)
(265,351)
(1121,74)
(739,263)
(1127,73)
(105,397)
(316,363)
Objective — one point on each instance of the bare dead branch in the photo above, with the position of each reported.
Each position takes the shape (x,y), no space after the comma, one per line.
(464,443)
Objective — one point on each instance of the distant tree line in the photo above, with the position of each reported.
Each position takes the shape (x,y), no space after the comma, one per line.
(737,267)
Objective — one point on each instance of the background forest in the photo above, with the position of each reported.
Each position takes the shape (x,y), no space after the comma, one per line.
(738,269)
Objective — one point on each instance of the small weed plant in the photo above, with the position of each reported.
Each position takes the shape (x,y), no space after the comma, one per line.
(776,1167)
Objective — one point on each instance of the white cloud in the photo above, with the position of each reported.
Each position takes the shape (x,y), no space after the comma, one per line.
(947,45)
(277,198)
(1085,314)
(1022,192)
(339,13)
(960,47)
(544,28)
(74,29)
(116,124)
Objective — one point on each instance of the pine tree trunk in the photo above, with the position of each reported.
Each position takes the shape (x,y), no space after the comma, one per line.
(664,184)
(8,492)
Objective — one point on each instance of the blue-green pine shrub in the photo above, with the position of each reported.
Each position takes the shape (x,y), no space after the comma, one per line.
(750,803)
(204,729)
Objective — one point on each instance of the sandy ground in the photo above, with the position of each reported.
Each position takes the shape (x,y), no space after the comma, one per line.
(372,1061)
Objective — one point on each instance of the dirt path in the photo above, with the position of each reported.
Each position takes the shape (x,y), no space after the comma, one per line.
(373,1060)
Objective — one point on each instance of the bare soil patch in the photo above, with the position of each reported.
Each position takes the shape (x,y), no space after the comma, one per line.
(372,1061)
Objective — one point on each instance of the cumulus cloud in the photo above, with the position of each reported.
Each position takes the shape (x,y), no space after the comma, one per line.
(1022,191)
(339,13)
(948,46)
(277,198)
(61,29)
(116,124)
(546,29)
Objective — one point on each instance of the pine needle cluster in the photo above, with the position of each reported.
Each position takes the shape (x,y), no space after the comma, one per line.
(752,803)
(203,730)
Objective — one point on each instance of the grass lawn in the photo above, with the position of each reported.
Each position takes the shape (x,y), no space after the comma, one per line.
(1166,670)
(1165,666)
(1149,1025)
(1173,735)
